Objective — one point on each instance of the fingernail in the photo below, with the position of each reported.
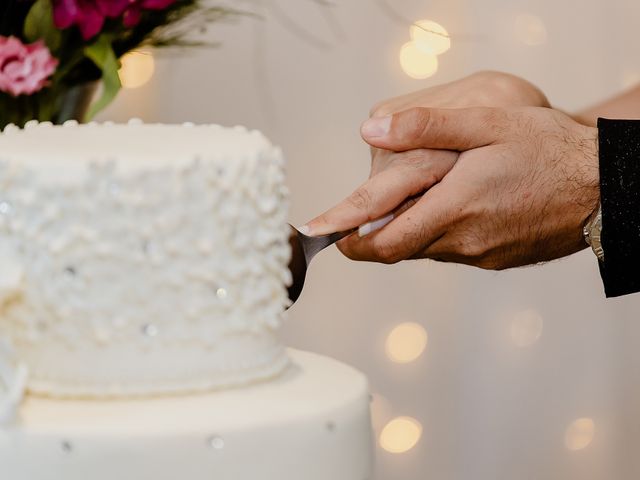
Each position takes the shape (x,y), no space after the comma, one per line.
(367,228)
(304,229)
(376,127)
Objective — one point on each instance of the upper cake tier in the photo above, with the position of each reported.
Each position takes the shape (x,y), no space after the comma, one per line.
(142,259)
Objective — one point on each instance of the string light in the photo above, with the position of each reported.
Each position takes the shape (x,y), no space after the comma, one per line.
(430,37)
(526,328)
(406,342)
(419,57)
(136,69)
(530,29)
(416,63)
(579,434)
(400,435)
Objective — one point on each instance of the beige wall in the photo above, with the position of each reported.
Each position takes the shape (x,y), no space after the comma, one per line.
(490,410)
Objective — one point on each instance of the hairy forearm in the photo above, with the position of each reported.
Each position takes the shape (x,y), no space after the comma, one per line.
(625,105)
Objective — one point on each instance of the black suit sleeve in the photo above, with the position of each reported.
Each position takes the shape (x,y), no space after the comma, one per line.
(619,152)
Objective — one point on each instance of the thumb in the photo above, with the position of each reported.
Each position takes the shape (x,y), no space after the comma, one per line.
(443,128)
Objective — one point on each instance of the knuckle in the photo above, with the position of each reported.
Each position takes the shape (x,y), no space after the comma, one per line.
(413,158)
(469,246)
(489,78)
(428,176)
(387,253)
(494,119)
(420,121)
(517,90)
(421,166)
(488,263)
(360,199)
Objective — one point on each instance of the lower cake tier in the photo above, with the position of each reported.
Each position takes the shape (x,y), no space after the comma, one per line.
(311,423)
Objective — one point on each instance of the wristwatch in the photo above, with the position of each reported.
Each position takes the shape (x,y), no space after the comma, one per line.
(592,231)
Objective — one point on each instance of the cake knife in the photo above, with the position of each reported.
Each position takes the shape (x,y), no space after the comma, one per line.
(304,248)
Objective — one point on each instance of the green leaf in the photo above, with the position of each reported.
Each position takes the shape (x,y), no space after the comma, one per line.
(39,25)
(101,53)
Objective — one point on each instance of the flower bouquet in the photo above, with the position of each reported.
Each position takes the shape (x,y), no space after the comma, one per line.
(53,53)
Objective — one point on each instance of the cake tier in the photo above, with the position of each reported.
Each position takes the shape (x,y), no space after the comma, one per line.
(311,423)
(142,259)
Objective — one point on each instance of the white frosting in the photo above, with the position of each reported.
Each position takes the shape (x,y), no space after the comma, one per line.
(141,259)
(13,380)
(11,275)
(311,423)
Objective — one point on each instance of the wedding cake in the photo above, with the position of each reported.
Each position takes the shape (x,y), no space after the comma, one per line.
(142,282)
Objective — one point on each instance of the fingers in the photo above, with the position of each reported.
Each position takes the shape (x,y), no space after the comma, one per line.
(452,129)
(409,233)
(410,174)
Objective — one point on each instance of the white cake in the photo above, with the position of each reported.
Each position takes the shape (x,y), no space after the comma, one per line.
(142,282)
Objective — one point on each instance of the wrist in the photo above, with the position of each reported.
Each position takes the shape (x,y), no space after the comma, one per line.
(589,175)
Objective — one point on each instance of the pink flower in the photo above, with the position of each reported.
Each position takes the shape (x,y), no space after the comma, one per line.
(90,15)
(24,69)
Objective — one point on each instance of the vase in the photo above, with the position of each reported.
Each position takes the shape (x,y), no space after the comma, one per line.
(70,103)
(75,103)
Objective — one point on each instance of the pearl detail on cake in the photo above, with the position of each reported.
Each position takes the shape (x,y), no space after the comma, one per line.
(150,330)
(215,442)
(5,208)
(221,293)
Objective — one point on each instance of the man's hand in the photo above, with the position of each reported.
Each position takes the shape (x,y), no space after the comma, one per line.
(481,89)
(520,192)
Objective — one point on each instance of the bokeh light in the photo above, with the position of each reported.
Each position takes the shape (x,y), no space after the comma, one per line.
(430,37)
(530,29)
(400,435)
(406,342)
(579,434)
(526,327)
(416,63)
(136,69)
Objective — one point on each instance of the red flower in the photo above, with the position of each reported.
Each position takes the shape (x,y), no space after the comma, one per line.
(132,13)
(90,15)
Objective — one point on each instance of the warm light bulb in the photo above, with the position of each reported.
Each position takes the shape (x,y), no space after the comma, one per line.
(430,37)
(530,29)
(400,435)
(406,342)
(579,434)
(526,328)
(136,69)
(416,63)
